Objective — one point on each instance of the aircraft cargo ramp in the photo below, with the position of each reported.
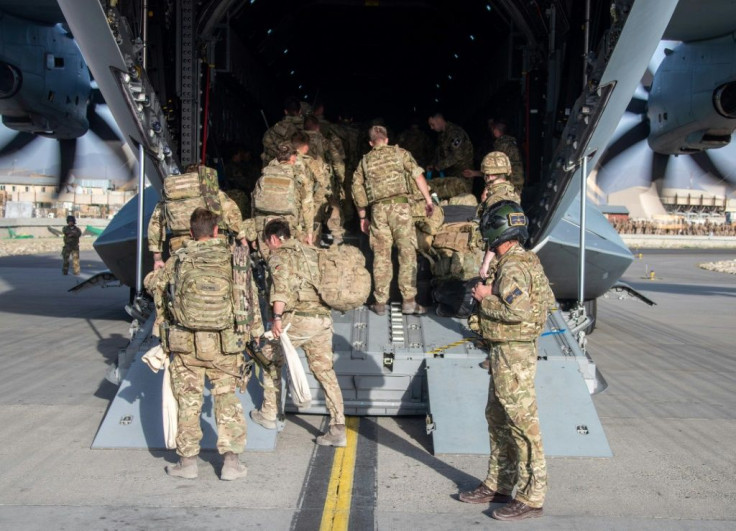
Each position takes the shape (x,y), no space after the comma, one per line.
(400,365)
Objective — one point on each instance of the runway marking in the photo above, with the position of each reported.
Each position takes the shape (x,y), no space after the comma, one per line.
(336,514)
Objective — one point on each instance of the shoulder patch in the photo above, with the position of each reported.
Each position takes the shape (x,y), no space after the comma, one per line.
(457,141)
(511,297)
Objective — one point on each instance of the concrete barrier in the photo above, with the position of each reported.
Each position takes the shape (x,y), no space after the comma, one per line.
(653,241)
(38,227)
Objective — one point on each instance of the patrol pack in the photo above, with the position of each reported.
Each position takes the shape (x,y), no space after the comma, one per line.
(275,191)
(188,191)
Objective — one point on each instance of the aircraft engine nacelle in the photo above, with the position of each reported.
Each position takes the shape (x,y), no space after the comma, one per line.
(692,102)
(44,81)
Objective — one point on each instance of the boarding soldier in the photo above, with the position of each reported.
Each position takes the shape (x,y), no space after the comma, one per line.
(511,315)
(172,214)
(285,189)
(282,131)
(297,304)
(200,331)
(381,181)
(327,188)
(507,144)
(495,169)
(416,141)
(72,233)
(454,151)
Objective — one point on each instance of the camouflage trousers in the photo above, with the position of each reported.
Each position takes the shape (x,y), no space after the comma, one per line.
(314,335)
(392,224)
(517,455)
(67,253)
(187,381)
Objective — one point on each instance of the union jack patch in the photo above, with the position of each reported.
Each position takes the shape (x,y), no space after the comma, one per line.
(517,219)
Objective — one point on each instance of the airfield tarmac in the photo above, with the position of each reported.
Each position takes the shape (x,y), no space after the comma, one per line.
(669,414)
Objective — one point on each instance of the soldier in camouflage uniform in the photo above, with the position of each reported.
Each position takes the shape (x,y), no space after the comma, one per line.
(302,223)
(512,311)
(295,300)
(231,221)
(282,131)
(72,233)
(495,168)
(454,152)
(327,206)
(219,359)
(417,142)
(381,181)
(507,144)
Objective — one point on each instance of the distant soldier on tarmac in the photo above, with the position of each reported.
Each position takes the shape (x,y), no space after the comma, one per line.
(72,233)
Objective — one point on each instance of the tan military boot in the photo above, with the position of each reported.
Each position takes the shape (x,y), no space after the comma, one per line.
(378,308)
(335,436)
(186,468)
(258,418)
(232,468)
(410,307)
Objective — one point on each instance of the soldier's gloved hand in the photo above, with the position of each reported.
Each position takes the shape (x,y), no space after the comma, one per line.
(429,208)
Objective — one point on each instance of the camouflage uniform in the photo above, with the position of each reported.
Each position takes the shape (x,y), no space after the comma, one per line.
(188,371)
(71,248)
(293,265)
(498,191)
(511,320)
(326,202)
(279,133)
(507,144)
(232,220)
(454,151)
(303,222)
(391,217)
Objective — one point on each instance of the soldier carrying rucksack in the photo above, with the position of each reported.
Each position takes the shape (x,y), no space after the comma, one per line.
(202,333)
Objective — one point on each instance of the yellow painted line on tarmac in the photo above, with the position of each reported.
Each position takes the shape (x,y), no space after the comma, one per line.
(336,514)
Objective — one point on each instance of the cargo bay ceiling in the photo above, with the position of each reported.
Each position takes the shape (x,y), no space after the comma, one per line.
(377,58)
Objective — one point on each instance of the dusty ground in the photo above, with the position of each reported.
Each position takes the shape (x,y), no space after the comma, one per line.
(724,266)
(40,245)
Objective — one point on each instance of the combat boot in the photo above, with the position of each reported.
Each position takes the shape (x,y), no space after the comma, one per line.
(482,494)
(232,468)
(378,308)
(410,307)
(258,418)
(186,468)
(516,510)
(335,436)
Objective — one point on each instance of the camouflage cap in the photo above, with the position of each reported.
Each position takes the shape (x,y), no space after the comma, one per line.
(496,163)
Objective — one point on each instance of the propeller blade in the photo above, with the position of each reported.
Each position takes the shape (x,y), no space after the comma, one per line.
(100,127)
(67,153)
(705,163)
(19,141)
(631,137)
(637,106)
(659,165)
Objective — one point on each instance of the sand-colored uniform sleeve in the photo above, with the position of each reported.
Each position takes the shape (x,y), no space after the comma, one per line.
(157,229)
(511,301)
(283,285)
(231,215)
(360,198)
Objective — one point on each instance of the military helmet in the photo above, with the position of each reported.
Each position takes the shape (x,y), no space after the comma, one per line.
(502,222)
(496,163)
(71,219)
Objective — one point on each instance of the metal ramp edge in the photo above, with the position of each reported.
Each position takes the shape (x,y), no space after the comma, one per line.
(134,419)
(458,392)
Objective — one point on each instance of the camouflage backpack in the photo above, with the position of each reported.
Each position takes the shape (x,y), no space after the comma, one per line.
(458,251)
(202,291)
(384,174)
(275,191)
(186,192)
(339,276)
